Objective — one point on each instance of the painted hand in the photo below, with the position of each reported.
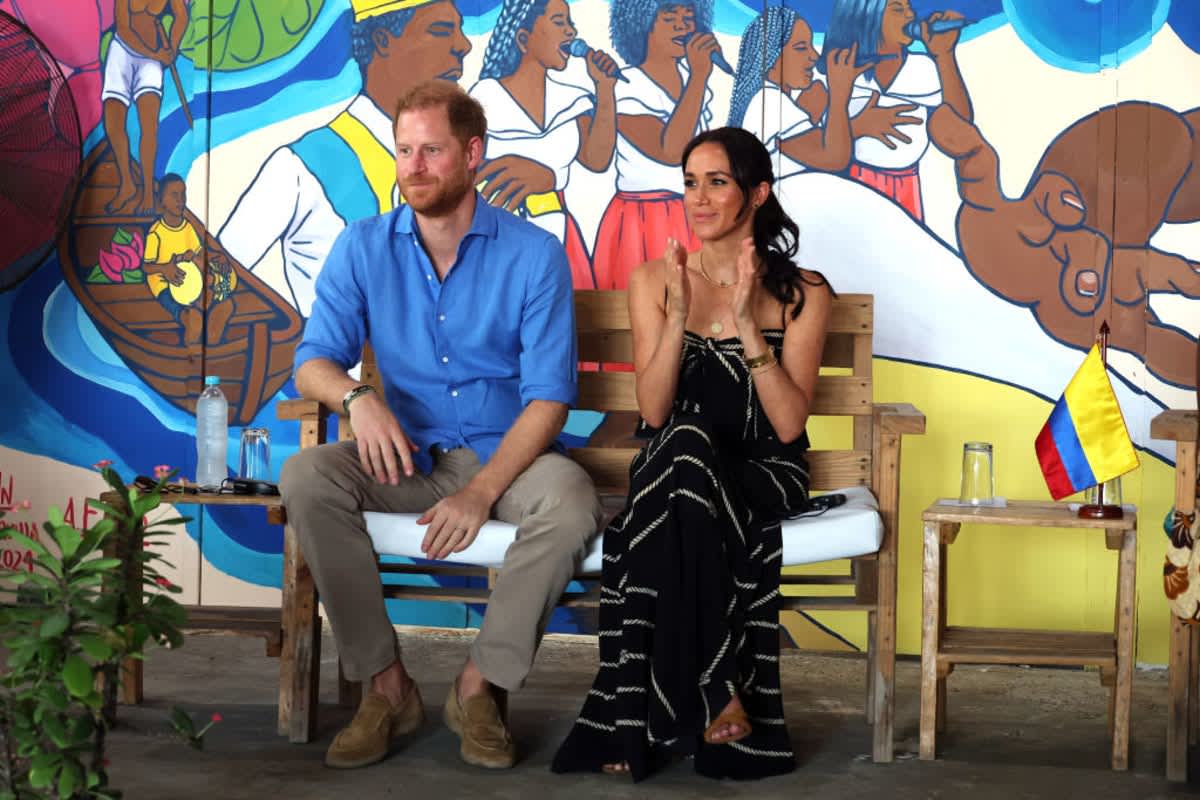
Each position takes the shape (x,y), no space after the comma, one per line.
(882,123)
(509,180)
(940,44)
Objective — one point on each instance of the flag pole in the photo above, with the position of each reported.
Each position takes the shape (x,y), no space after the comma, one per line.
(1100,509)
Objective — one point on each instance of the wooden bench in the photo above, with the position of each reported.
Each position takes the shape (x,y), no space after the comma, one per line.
(872,459)
(1183,677)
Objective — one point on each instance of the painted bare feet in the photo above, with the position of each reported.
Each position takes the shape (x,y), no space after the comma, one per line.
(616,769)
(730,725)
(126,192)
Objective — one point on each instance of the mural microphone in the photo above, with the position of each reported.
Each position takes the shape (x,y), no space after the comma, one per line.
(718,60)
(578,47)
(913,29)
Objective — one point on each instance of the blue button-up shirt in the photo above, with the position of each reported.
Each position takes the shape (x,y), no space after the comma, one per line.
(461,358)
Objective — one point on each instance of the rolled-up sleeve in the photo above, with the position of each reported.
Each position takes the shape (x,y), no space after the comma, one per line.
(548,350)
(337,328)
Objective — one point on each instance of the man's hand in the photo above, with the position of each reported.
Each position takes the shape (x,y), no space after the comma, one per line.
(384,449)
(454,522)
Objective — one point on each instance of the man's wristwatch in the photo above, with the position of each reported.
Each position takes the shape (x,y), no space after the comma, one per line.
(354,394)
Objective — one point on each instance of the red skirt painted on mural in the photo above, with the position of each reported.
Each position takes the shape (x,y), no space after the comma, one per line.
(903,186)
(634,229)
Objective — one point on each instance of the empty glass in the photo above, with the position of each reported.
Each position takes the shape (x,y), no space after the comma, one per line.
(978,480)
(254,462)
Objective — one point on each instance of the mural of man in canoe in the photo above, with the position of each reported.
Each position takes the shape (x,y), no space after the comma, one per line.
(139,52)
(306,191)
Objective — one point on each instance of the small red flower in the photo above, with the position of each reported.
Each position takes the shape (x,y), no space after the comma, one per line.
(162,471)
(24,505)
(163,582)
(216,717)
(102,463)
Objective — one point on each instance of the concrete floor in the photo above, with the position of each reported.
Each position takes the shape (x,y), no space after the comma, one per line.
(1013,733)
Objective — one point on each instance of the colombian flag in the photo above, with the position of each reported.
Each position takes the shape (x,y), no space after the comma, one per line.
(1085,441)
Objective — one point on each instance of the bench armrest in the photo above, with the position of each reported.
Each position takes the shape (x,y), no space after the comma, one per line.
(312,416)
(900,418)
(1176,425)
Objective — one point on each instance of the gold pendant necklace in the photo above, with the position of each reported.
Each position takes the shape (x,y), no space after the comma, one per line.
(716,327)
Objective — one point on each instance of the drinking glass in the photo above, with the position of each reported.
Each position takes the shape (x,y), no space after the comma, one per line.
(978,480)
(254,461)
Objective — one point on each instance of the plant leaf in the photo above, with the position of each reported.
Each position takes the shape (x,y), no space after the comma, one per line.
(107,509)
(68,540)
(23,541)
(77,676)
(96,647)
(54,625)
(69,779)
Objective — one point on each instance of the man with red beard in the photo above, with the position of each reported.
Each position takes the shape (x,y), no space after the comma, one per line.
(470,313)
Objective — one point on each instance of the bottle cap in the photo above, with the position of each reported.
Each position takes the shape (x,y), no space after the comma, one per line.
(212,380)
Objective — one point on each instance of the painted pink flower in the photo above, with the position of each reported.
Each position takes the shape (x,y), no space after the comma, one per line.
(102,463)
(111,265)
(162,471)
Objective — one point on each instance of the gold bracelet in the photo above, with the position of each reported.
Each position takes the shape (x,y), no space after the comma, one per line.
(760,361)
(764,368)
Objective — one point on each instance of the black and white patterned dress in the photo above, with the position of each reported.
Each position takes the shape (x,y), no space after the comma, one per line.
(690,584)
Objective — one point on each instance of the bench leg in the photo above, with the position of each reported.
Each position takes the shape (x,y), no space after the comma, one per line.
(883,645)
(872,621)
(300,661)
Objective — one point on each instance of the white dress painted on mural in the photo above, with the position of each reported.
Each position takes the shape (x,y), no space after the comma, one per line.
(648,206)
(773,116)
(641,96)
(917,82)
(287,203)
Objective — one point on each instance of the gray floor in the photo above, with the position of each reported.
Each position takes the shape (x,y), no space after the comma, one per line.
(1013,733)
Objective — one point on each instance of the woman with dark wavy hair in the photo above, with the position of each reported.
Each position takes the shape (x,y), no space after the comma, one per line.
(727,342)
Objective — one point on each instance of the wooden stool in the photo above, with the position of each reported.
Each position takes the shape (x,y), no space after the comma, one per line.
(942,647)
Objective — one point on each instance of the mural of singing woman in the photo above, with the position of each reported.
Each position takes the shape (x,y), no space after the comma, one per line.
(662,106)
(777,97)
(539,124)
(880,28)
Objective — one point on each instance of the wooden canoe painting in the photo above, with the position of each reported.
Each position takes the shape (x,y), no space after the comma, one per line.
(252,353)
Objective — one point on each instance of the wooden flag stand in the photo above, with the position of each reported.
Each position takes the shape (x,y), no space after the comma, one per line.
(1100,509)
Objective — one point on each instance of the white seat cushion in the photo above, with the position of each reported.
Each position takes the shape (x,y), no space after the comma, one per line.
(852,529)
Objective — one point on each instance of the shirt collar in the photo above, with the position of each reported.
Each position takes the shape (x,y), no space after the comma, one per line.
(484,223)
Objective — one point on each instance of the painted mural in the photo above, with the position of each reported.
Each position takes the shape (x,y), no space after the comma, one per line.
(1003,175)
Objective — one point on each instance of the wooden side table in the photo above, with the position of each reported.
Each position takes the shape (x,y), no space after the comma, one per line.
(265,622)
(943,646)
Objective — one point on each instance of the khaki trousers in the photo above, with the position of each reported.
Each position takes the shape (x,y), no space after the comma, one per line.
(553,504)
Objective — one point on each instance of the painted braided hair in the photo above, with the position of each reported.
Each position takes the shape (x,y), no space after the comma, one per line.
(854,22)
(776,235)
(361,33)
(502,55)
(762,43)
(630,23)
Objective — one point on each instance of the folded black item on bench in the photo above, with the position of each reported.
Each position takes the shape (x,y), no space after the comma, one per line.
(819,505)
(248,486)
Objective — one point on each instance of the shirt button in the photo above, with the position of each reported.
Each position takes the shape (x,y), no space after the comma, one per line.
(428,277)
(445,359)
(454,392)
(441,317)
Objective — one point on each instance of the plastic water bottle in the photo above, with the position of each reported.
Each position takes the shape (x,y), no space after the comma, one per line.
(212,434)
